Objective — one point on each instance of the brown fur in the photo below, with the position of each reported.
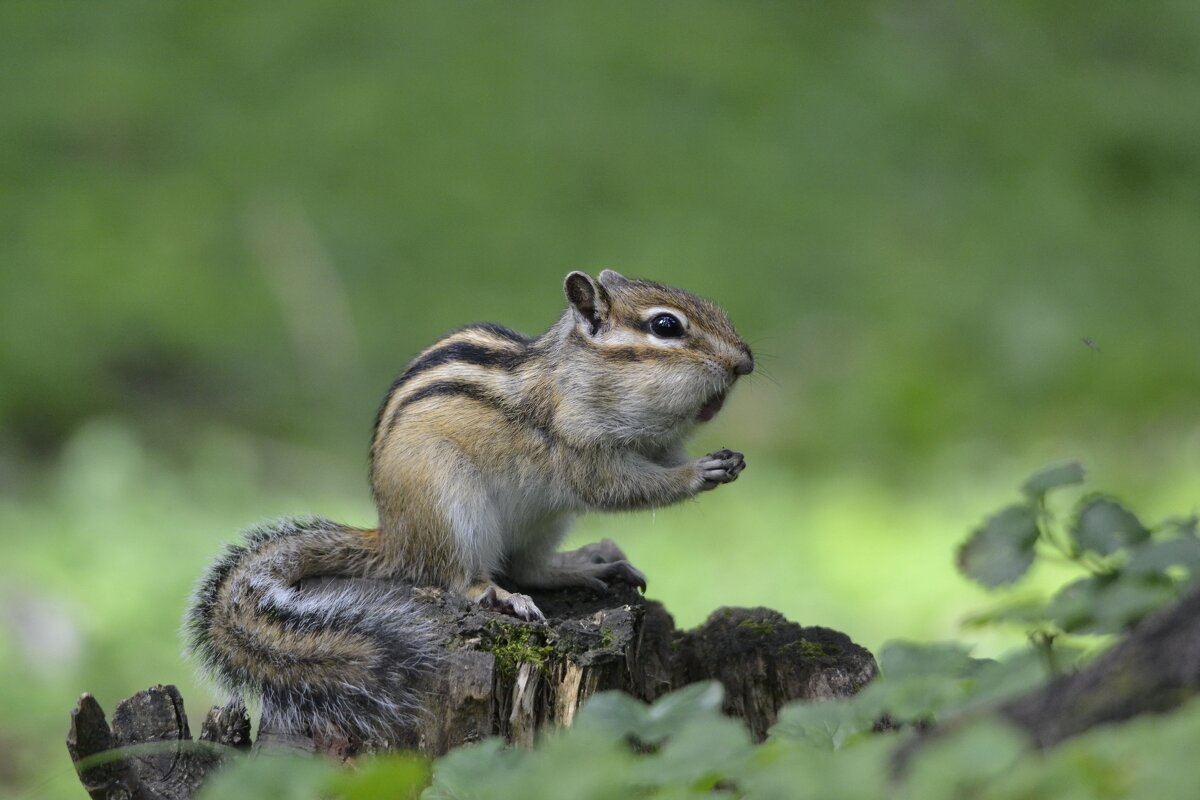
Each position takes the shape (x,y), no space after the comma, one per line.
(484,450)
(546,424)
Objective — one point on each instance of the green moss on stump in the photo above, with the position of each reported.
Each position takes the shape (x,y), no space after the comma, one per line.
(760,627)
(608,637)
(515,644)
(810,649)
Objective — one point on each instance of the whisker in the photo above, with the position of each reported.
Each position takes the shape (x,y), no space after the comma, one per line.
(767,375)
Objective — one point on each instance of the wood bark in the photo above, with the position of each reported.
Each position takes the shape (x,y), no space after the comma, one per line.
(1154,669)
(499,676)
(148,750)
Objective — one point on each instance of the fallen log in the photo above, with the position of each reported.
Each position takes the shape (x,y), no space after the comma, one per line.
(1153,669)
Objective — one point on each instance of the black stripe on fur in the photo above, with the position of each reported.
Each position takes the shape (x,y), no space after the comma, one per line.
(396,638)
(446,389)
(499,330)
(465,352)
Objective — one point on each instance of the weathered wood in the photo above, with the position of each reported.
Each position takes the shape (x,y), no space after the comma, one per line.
(148,753)
(502,676)
(228,726)
(1154,669)
(764,662)
(87,739)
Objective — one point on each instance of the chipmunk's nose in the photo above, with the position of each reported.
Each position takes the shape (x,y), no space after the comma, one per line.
(744,365)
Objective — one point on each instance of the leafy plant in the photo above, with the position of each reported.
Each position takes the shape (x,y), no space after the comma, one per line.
(1128,569)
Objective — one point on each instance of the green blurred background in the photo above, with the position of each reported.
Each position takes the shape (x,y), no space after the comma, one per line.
(223,229)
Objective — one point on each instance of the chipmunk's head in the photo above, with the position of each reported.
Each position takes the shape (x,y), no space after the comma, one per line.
(652,360)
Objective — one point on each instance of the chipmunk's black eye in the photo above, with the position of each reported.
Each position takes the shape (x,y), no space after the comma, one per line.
(666,326)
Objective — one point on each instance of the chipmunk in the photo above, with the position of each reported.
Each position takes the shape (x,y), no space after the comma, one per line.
(484,450)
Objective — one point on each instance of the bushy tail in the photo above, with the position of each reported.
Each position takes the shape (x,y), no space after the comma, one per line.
(336,659)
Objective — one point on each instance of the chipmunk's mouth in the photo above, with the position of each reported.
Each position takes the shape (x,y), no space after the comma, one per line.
(710,408)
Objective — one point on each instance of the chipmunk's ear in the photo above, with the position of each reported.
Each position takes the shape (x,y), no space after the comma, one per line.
(588,300)
(612,280)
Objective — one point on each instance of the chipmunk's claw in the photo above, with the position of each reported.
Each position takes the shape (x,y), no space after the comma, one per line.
(520,606)
(720,467)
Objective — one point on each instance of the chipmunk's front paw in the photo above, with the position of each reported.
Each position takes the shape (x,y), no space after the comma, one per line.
(520,606)
(720,467)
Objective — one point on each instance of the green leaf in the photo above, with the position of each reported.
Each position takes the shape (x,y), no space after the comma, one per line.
(919,681)
(1016,674)
(1052,478)
(1157,557)
(698,699)
(700,755)
(1073,607)
(616,715)
(786,770)
(1024,611)
(826,726)
(275,775)
(1184,526)
(899,659)
(398,776)
(963,764)
(1104,526)
(920,684)
(1109,603)
(568,764)
(1146,758)
(478,771)
(1125,602)
(915,698)
(1001,551)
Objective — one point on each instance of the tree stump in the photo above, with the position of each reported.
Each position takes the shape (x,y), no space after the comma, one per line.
(500,676)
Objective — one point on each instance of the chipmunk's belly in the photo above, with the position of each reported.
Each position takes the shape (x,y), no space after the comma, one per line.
(532,512)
